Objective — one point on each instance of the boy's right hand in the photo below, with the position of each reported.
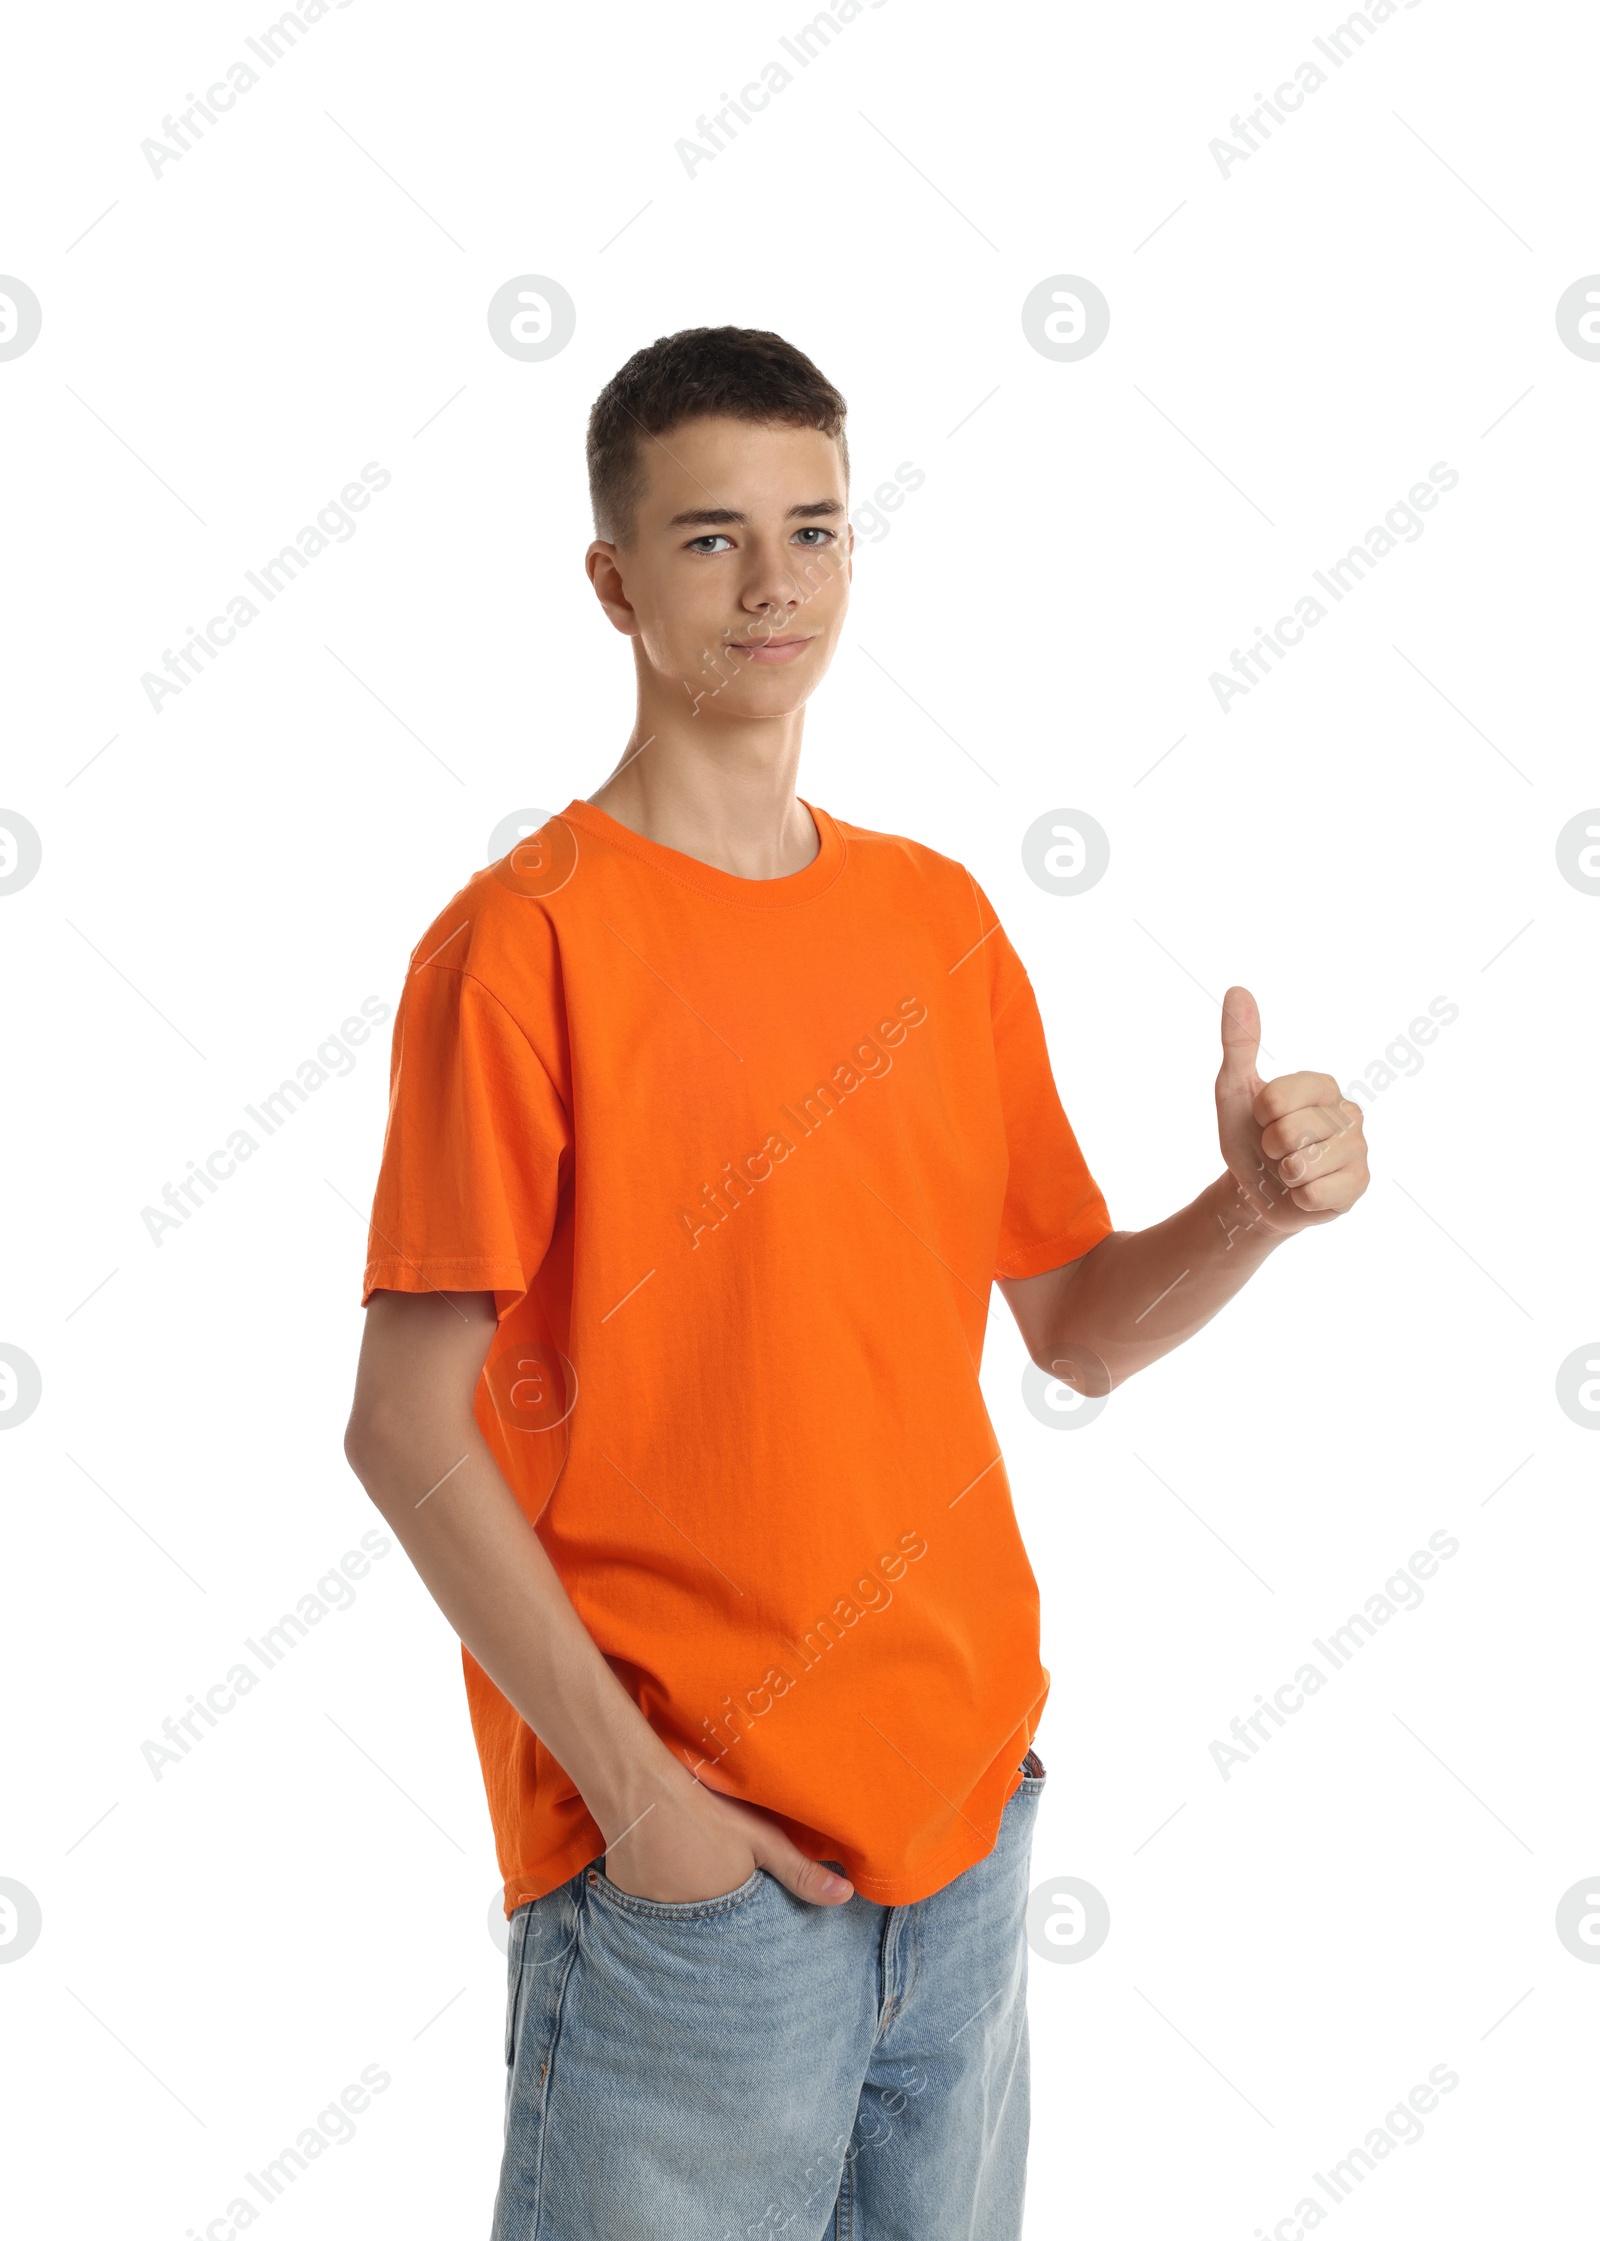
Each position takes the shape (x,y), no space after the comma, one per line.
(692,1842)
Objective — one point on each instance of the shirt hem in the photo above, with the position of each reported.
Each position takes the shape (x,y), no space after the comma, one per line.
(1055,1252)
(464,1273)
(899,1890)
(882,1890)
(538,1883)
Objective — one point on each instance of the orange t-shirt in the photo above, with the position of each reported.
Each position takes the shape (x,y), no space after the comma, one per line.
(740,1159)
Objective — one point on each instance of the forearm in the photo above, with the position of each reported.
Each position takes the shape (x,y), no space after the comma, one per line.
(1139,1293)
(440,1489)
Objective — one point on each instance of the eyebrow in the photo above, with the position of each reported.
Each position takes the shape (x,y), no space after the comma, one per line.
(725,517)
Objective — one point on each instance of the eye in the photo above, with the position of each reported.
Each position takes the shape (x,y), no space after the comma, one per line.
(711,537)
(815,529)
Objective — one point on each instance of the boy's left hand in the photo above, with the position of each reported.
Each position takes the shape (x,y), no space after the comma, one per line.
(1294,1145)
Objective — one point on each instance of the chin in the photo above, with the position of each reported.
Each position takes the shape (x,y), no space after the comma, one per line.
(775,700)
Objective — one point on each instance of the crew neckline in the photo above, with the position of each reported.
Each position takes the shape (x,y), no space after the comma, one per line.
(728,887)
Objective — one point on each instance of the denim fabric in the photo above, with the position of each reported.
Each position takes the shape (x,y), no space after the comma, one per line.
(752,2068)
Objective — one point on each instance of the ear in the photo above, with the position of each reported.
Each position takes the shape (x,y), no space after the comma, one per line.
(604,571)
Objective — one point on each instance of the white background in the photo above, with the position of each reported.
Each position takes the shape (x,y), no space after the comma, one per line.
(1374,826)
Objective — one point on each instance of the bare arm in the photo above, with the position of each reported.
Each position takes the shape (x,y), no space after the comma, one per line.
(414,1444)
(1138,1293)
(1296,1157)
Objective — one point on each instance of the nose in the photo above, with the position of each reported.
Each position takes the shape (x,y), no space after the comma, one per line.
(773,587)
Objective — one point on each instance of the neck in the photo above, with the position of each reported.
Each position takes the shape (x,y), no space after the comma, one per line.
(721,792)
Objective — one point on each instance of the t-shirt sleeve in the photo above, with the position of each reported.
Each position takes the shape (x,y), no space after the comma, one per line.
(1054,1211)
(475,1151)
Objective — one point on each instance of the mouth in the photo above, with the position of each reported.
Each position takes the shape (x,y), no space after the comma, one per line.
(770,652)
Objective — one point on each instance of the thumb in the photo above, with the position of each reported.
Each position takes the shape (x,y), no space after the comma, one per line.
(807,1879)
(782,1859)
(787,1864)
(1237,1079)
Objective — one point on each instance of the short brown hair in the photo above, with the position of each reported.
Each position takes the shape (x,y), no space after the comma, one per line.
(744,373)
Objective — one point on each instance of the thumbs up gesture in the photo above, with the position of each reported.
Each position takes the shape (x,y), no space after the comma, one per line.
(1294,1146)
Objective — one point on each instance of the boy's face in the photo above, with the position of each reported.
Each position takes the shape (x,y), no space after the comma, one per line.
(735,585)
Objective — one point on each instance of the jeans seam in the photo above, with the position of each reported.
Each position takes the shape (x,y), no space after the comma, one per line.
(844,2216)
(519,1940)
(547,2082)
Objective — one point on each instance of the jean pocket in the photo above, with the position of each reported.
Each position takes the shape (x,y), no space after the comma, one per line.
(675,1910)
(1033,1774)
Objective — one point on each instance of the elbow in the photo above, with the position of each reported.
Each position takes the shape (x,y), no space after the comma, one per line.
(368,1448)
(398,1444)
(1079,1367)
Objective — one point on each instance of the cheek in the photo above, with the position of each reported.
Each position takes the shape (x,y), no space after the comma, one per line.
(827,600)
(682,637)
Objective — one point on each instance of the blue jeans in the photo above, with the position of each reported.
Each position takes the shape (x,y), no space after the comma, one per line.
(753,2068)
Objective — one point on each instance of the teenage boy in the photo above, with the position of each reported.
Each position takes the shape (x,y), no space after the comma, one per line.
(712,1120)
